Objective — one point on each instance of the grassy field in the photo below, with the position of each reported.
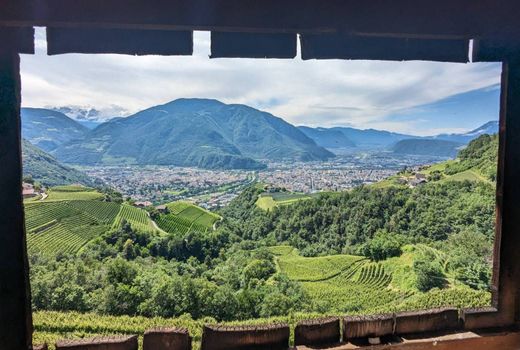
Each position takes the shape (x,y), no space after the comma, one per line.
(184,217)
(60,193)
(268,201)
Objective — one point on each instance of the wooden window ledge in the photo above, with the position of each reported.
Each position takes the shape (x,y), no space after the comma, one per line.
(500,340)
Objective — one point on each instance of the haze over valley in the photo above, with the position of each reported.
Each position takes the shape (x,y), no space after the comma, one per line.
(154,154)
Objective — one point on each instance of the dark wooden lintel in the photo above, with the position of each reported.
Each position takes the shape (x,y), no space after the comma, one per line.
(337,46)
(119,41)
(15,39)
(442,18)
(253,45)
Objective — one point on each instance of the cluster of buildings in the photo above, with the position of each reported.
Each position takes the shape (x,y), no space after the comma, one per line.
(309,179)
(212,189)
(150,185)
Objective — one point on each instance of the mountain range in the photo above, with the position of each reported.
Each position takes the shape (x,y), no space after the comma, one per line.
(194,132)
(427,147)
(210,134)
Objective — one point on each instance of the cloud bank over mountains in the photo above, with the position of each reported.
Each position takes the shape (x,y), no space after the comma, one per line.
(407,97)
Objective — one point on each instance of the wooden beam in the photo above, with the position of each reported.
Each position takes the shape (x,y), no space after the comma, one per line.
(506,265)
(19,40)
(455,341)
(420,18)
(15,310)
(505,310)
(337,46)
(253,45)
(119,41)
(495,50)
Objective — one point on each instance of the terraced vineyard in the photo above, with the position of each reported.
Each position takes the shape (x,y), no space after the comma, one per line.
(374,275)
(104,212)
(353,284)
(137,218)
(38,214)
(184,217)
(65,226)
(63,238)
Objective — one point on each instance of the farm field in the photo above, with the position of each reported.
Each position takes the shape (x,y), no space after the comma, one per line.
(72,192)
(268,201)
(184,217)
(354,284)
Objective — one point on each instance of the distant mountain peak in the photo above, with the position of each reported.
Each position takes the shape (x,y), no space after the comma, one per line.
(194,132)
(490,127)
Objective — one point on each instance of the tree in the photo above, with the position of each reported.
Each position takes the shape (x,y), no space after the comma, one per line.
(258,269)
(384,245)
(429,274)
(121,271)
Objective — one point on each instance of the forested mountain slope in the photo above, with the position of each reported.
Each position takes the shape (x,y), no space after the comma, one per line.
(45,169)
(48,129)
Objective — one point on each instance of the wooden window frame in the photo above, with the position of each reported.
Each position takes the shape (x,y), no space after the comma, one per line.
(501,45)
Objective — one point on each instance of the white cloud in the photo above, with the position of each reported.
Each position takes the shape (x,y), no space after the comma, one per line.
(326,93)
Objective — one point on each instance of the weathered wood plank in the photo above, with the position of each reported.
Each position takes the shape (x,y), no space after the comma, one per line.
(128,342)
(119,41)
(253,45)
(15,311)
(268,337)
(367,326)
(454,341)
(317,332)
(427,320)
(495,50)
(167,339)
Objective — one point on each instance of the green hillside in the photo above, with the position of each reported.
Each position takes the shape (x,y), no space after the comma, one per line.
(476,162)
(66,226)
(45,169)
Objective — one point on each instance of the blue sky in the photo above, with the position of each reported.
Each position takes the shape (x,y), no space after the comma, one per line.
(421,98)
(456,113)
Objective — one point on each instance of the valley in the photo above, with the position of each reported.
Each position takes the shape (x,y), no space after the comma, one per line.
(336,221)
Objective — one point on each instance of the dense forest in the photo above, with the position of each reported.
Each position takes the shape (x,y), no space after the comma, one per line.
(229,274)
